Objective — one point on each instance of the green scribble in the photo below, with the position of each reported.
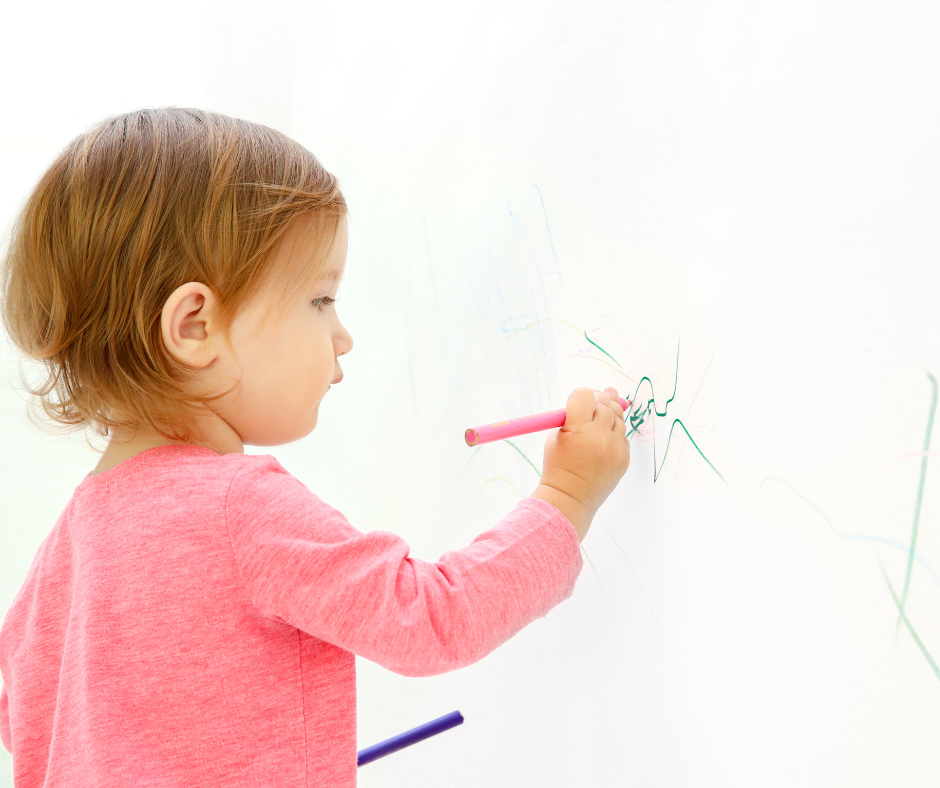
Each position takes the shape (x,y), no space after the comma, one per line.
(524,457)
(907,623)
(656,471)
(636,417)
(917,504)
(602,350)
(639,416)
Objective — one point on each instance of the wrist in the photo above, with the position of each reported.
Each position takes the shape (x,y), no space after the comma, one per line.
(578,514)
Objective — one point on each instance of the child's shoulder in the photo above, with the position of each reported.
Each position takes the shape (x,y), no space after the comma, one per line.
(176,464)
(238,468)
(247,472)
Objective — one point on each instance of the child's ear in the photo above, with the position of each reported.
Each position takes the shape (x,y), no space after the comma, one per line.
(184,324)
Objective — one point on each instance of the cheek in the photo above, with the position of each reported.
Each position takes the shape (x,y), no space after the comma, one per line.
(323,356)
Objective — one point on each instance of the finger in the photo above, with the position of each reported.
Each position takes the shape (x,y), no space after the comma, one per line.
(603,411)
(620,425)
(615,401)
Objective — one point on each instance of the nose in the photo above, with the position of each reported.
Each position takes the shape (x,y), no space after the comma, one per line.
(342,341)
(344,345)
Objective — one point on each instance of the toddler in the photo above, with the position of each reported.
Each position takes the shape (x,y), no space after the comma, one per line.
(193,616)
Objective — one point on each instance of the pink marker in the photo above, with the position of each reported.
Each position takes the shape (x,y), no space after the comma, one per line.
(522,426)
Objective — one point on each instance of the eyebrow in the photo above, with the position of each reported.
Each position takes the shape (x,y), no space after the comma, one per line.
(330,276)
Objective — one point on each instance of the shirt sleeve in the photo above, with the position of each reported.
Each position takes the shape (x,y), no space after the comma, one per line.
(6,737)
(303,563)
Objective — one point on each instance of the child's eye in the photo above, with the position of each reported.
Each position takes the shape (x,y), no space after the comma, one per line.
(325,301)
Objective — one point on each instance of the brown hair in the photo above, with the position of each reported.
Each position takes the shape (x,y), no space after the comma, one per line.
(137,206)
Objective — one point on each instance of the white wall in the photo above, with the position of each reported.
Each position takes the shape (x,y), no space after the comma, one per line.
(758,179)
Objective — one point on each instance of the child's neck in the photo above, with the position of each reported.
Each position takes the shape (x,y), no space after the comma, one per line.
(123,446)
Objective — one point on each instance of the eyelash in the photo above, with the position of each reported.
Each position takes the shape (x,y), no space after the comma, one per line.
(326,300)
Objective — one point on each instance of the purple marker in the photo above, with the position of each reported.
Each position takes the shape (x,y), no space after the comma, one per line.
(410,737)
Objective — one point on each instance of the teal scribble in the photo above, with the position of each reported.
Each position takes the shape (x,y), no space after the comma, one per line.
(601,349)
(910,627)
(919,500)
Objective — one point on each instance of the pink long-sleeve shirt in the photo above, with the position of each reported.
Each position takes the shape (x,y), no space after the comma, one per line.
(192,619)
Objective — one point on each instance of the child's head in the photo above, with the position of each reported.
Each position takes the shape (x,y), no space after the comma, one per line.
(170,257)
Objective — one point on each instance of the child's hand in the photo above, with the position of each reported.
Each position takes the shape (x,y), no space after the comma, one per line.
(586,459)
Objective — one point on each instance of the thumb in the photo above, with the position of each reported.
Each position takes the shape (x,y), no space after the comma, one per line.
(579,409)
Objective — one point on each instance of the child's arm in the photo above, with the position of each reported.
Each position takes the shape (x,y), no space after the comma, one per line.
(304,564)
